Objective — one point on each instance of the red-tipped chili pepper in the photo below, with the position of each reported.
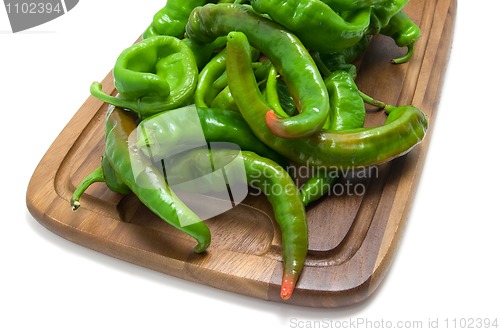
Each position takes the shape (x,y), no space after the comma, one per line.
(286,52)
(273,181)
(404,128)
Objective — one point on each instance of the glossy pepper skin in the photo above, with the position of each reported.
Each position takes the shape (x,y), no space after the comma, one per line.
(172,18)
(281,191)
(404,128)
(342,5)
(328,62)
(347,108)
(404,32)
(382,13)
(347,112)
(208,86)
(157,135)
(204,52)
(224,100)
(156,74)
(318,26)
(104,173)
(286,52)
(133,170)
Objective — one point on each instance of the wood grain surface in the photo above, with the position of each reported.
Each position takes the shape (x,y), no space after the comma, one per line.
(353,238)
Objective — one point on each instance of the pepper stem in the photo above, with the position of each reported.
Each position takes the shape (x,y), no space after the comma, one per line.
(95,176)
(405,57)
(389,108)
(96,91)
(323,69)
(372,101)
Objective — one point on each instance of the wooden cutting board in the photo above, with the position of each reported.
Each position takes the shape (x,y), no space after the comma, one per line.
(352,237)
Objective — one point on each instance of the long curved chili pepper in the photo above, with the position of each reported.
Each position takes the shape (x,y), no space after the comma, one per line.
(279,188)
(137,172)
(404,127)
(286,52)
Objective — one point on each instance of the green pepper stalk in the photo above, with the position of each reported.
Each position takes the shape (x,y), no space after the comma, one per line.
(404,127)
(286,52)
(103,173)
(156,74)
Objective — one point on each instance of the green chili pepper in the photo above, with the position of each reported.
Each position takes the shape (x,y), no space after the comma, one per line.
(347,108)
(104,173)
(286,52)
(342,5)
(404,32)
(208,87)
(214,68)
(276,94)
(158,135)
(328,62)
(156,74)
(382,13)
(172,18)
(317,186)
(318,26)
(272,180)
(404,128)
(225,100)
(204,52)
(347,111)
(131,169)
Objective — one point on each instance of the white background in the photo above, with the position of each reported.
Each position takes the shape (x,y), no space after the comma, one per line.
(445,267)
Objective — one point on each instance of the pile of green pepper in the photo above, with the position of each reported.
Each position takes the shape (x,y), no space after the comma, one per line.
(274,78)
